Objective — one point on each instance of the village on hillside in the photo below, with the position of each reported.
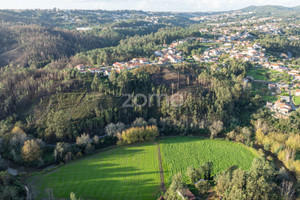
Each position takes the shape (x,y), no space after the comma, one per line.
(233,43)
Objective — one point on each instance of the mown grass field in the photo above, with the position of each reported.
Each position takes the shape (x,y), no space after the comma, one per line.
(132,172)
(121,173)
(182,152)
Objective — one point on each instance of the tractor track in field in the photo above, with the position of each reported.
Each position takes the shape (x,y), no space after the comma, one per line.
(161,170)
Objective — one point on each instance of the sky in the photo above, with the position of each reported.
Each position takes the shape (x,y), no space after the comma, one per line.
(146,5)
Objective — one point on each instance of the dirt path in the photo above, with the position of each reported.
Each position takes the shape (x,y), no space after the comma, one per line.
(161,170)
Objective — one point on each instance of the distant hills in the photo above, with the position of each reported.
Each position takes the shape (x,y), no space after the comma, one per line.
(269,9)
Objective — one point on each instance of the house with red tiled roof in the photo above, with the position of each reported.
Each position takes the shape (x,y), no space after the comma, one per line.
(163,61)
(282,107)
(271,86)
(118,64)
(186,194)
(175,58)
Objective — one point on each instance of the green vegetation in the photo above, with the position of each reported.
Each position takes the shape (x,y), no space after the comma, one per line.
(296,100)
(263,91)
(182,152)
(51,112)
(132,172)
(258,73)
(268,75)
(120,173)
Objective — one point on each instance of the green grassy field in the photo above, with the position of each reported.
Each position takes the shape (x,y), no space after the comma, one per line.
(263,91)
(258,73)
(121,173)
(182,152)
(132,172)
(296,100)
(268,75)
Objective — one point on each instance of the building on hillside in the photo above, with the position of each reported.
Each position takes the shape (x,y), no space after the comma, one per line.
(283,86)
(107,72)
(271,86)
(118,64)
(297,93)
(175,59)
(296,85)
(163,61)
(158,53)
(140,60)
(80,67)
(274,66)
(293,72)
(282,108)
(186,194)
(94,70)
(285,99)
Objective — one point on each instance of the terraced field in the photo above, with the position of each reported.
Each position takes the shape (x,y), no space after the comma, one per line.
(132,172)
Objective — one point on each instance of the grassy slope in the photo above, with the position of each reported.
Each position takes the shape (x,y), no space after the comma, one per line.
(181,152)
(258,73)
(263,91)
(121,173)
(132,172)
(296,100)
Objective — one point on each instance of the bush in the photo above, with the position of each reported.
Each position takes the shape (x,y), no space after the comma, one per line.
(112,129)
(267,147)
(139,122)
(202,186)
(134,134)
(83,140)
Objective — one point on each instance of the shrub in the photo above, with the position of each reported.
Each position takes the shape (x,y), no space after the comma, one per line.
(31,151)
(83,140)
(202,187)
(112,129)
(267,147)
(139,122)
(134,134)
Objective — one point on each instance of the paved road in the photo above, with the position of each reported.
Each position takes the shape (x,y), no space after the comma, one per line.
(28,193)
(262,81)
(291,98)
(290,55)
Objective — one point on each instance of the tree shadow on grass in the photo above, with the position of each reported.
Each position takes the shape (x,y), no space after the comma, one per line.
(101,177)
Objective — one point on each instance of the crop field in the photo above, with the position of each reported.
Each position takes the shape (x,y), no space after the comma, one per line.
(132,172)
(121,173)
(182,152)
